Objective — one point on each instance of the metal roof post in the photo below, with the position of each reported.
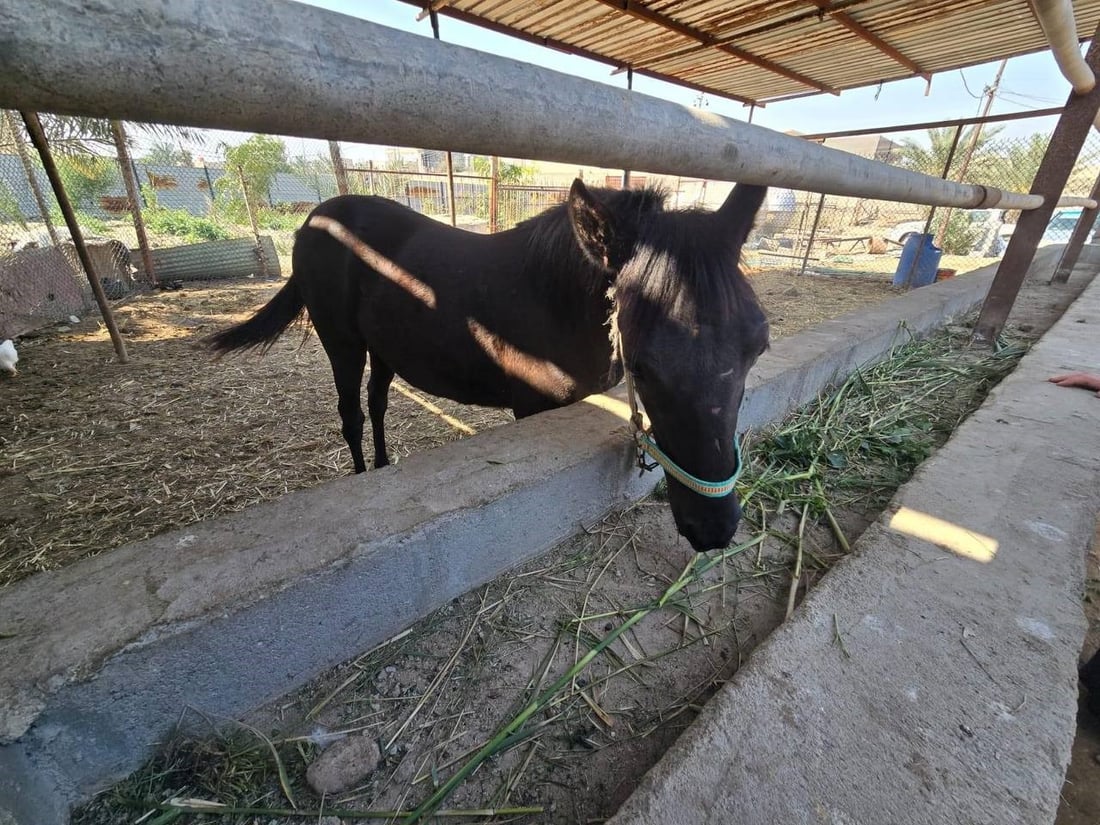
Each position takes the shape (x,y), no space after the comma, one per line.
(1076,240)
(1065,145)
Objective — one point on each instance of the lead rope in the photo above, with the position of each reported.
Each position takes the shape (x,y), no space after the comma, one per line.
(646,445)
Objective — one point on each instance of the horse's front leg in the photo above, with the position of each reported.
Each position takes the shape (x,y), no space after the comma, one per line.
(378,399)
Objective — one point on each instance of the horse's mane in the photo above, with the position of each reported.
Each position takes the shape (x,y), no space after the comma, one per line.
(553,251)
(686,265)
(684,260)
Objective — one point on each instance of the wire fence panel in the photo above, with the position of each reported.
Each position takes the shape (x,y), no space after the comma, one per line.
(256,193)
(840,236)
(41,278)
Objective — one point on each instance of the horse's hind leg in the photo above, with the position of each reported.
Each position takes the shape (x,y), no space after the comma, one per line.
(348,363)
(378,399)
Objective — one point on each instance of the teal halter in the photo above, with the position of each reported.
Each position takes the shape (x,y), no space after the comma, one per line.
(647,446)
(710,489)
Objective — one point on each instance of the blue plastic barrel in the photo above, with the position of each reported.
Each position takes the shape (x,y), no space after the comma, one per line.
(927,262)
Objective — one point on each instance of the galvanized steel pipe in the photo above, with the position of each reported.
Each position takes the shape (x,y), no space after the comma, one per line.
(1072,200)
(285,68)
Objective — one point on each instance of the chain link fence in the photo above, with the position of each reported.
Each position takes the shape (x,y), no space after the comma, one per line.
(858,237)
(41,277)
(234,211)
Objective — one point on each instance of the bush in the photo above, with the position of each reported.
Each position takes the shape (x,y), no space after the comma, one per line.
(231,209)
(279,221)
(89,224)
(961,234)
(182,224)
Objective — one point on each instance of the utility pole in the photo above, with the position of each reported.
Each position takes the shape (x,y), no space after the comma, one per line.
(987,104)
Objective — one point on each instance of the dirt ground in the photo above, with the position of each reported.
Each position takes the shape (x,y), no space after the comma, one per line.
(96,454)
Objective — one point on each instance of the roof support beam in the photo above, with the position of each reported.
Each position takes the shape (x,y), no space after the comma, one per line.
(863,33)
(568,48)
(641,12)
(433,6)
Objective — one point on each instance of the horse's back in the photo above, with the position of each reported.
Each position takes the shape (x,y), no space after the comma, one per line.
(452,312)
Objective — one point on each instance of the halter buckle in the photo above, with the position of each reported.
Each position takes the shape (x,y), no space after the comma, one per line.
(644,466)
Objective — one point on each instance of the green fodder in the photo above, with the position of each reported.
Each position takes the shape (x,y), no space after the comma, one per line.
(860,441)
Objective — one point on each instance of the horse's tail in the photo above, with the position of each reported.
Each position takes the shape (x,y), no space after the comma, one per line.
(263,328)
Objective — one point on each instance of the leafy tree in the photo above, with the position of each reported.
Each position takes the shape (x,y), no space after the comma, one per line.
(317,173)
(513,173)
(259,158)
(9,207)
(166,153)
(1022,161)
(961,233)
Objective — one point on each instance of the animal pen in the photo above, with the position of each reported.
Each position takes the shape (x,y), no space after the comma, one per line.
(567,462)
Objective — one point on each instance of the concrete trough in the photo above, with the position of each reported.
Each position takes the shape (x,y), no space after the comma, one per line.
(98,660)
(931,677)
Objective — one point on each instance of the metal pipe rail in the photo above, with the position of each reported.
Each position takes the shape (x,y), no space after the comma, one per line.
(285,68)
(1058,24)
(1057,20)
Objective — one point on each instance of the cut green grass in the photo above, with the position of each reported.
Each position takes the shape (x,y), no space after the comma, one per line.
(859,442)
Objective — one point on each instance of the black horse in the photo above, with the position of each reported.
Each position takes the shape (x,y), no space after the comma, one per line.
(525,318)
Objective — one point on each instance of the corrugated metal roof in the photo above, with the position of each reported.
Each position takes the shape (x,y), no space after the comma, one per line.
(761,50)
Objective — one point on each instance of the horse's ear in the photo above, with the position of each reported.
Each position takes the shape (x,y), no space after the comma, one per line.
(591,223)
(740,210)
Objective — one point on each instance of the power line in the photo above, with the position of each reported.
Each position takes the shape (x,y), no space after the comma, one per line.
(965,86)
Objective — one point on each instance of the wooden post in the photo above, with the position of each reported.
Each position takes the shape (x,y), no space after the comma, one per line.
(629,86)
(494,194)
(209,183)
(370,175)
(38,138)
(1065,144)
(1077,239)
(32,180)
(338,167)
(252,219)
(451,189)
(133,196)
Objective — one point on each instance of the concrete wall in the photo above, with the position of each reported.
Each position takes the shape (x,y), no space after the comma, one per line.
(104,654)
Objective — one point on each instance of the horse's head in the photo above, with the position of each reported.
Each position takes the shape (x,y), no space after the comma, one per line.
(690,329)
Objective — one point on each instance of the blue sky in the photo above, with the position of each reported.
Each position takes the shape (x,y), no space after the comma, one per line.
(1030,82)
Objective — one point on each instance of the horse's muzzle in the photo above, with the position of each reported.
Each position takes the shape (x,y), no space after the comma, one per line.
(707,524)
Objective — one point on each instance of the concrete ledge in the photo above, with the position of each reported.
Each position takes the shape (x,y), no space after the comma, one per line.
(228,614)
(956,700)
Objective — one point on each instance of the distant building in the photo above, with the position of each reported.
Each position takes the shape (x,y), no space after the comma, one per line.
(875,147)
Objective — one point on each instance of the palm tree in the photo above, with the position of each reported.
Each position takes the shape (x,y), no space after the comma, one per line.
(1022,161)
(69,135)
(930,157)
(167,153)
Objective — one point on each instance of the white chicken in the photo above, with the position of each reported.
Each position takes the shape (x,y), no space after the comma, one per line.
(8,356)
